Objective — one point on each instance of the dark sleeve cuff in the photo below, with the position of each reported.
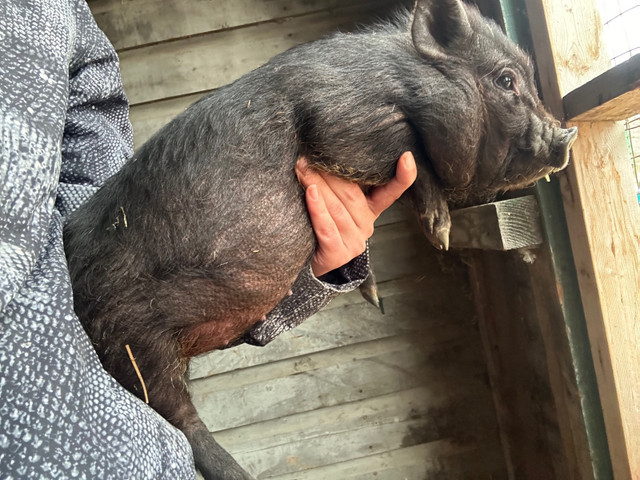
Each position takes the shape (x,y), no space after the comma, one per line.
(309,294)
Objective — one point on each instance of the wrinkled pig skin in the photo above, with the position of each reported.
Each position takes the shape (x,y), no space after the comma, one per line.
(216,229)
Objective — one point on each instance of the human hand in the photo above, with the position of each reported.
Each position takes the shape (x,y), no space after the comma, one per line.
(342,216)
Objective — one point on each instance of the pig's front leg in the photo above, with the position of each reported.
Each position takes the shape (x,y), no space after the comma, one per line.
(213,461)
(430,203)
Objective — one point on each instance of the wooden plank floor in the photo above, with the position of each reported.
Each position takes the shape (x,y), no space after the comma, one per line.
(354,394)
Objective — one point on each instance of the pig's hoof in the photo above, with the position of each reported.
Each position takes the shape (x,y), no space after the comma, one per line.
(370,294)
(436,225)
(369,290)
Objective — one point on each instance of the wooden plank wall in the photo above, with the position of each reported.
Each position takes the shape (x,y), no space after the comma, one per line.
(351,393)
(530,366)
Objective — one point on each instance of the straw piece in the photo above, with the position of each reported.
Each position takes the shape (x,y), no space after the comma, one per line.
(135,367)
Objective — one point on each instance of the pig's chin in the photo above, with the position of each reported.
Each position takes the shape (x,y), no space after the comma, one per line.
(522,181)
(559,162)
(540,159)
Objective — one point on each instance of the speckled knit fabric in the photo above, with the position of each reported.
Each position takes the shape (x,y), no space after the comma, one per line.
(309,295)
(64,129)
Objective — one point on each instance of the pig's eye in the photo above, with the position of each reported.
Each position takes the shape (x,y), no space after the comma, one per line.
(506,81)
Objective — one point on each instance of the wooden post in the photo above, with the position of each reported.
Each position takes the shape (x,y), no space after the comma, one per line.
(614,95)
(604,221)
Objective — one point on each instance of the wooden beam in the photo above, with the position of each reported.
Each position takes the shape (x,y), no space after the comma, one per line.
(613,95)
(504,225)
(135,23)
(203,62)
(603,219)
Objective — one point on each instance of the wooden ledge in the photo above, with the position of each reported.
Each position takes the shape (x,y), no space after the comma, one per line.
(611,96)
(504,225)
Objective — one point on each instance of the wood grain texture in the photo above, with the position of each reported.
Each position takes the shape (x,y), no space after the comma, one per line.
(504,225)
(442,460)
(379,373)
(604,225)
(135,23)
(605,235)
(611,96)
(518,367)
(573,454)
(204,62)
(397,406)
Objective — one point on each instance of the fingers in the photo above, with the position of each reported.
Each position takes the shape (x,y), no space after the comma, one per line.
(342,216)
(345,201)
(323,225)
(382,197)
(335,247)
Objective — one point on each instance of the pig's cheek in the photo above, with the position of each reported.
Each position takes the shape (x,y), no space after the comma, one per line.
(490,172)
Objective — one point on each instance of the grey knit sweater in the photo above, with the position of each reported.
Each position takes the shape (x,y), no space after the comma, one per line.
(64,130)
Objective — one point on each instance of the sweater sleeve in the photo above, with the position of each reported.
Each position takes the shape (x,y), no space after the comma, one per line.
(63,131)
(33,102)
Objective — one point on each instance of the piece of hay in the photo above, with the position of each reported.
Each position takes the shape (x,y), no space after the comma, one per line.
(135,367)
(124,217)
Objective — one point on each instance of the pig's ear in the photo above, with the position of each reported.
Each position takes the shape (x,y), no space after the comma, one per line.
(438,26)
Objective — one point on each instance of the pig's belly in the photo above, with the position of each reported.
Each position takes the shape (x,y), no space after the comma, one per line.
(247,284)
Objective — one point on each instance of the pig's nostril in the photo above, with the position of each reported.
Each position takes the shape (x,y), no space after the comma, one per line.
(566,142)
(571,135)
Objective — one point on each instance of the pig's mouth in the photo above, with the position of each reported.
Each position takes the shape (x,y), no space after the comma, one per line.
(528,166)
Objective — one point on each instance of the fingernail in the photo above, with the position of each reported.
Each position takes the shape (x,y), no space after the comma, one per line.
(312,191)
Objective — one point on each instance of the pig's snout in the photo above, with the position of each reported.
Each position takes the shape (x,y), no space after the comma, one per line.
(562,145)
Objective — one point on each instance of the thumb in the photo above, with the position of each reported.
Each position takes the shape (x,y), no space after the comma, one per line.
(382,197)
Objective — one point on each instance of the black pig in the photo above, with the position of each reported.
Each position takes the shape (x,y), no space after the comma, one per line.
(205,229)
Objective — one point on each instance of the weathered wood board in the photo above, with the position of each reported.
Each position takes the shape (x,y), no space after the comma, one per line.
(611,96)
(504,225)
(205,62)
(139,22)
